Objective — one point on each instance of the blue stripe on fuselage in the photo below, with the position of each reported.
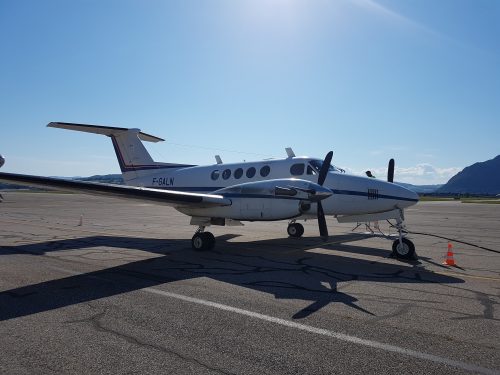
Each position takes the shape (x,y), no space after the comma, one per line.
(210,189)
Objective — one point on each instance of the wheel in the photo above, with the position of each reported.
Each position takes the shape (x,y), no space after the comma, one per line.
(203,241)
(406,251)
(295,230)
(210,240)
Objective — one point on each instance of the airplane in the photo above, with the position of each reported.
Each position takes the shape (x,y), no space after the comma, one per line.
(293,188)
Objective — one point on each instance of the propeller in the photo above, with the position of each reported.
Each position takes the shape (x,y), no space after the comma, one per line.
(390,171)
(324,168)
(323,229)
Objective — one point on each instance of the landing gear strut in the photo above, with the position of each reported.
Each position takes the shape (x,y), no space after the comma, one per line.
(402,247)
(295,229)
(202,240)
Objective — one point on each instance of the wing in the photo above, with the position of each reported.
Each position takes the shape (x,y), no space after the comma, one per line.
(165,197)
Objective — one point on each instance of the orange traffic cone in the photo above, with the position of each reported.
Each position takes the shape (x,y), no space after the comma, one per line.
(449,261)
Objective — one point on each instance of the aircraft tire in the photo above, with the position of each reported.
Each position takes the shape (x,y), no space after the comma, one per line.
(203,241)
(295,230)
(210,240)
(407,251)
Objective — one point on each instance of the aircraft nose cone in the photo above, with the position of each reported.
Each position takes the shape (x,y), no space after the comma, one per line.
(407,196)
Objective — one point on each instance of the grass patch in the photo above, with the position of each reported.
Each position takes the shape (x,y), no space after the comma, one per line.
(481,201)
(435,199)
(29,191)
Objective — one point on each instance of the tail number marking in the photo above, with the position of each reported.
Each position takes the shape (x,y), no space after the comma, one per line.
(163,181)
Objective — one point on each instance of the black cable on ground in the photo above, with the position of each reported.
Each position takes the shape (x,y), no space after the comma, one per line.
(455,240)
(448,239)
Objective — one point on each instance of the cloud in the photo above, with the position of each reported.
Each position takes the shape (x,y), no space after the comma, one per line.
(426,174)
(421,174)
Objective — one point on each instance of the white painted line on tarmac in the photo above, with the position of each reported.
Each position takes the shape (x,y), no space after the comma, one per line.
(311,329)
(325,332)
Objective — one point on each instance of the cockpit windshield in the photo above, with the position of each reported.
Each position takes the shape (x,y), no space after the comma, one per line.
(317,163)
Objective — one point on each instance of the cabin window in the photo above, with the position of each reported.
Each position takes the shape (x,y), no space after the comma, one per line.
(226,174)
(215,174)
(264,171)
(297,169)
(250,172)
(238,173)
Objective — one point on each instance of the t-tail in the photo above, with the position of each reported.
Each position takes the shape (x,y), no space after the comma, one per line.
(134,160)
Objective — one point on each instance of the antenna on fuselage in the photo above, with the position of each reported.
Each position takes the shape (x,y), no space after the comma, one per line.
(290,152)
(218,159)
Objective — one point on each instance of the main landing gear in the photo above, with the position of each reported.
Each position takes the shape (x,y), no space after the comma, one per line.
(295,229)
(202,240)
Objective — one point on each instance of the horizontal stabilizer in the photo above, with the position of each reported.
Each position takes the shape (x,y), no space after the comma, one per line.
(104,130)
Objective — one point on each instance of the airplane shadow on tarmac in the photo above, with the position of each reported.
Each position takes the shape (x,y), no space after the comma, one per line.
(281,267)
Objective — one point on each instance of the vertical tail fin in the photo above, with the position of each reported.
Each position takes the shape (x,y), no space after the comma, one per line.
(130,152)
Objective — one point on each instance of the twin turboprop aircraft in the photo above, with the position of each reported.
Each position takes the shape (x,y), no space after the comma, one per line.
(294,188)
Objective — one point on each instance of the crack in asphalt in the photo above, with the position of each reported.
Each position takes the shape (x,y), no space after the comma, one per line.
(95,321)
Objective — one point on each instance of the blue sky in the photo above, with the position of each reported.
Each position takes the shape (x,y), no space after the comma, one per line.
(415,80)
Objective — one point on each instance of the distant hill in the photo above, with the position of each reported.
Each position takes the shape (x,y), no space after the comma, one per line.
(106,179)
(15,187)
(479,178)
(420,189)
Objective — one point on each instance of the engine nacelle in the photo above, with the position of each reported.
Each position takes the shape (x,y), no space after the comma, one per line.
(251,209)
(279,199)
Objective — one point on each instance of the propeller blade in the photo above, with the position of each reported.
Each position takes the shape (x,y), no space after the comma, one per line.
(390,171)
(323,229)
(324,168)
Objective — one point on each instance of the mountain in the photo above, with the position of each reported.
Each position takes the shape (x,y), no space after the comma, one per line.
(478,178)
(420,189)
(106,179)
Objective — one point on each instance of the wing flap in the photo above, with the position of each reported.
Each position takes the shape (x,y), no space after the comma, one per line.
(165,197)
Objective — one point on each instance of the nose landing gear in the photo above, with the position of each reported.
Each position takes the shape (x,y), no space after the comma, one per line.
(402,248)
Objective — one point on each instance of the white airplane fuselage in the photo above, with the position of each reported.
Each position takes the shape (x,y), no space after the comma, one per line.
(352,195)
(254,195)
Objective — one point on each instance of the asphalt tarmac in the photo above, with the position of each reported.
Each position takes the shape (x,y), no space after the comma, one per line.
(124,293)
